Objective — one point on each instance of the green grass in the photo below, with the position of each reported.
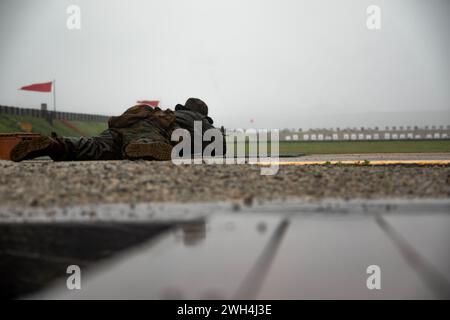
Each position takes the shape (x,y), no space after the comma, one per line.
(10,123)
(90,128)
(330,147)
(346,147)
(7,124)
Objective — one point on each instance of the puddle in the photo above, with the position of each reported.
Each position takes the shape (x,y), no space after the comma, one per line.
(202,259)
(34,255)
(210,251)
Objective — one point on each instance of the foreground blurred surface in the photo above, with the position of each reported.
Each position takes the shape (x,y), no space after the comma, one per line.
(153,230)
(272,251)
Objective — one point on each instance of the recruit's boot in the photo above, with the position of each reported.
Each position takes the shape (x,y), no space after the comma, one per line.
(151,150)
(39,147)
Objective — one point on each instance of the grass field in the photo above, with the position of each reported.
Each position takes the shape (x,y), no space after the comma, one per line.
(10,123)
(346,147)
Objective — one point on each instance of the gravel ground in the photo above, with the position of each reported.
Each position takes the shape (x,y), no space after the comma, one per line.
(44,183)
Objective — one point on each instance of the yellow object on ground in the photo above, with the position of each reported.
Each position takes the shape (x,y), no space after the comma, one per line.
(356,162)
(26,126)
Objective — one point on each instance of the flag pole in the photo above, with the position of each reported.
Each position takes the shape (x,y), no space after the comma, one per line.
(54,95)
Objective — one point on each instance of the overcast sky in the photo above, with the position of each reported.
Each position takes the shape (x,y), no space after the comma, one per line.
(282,63)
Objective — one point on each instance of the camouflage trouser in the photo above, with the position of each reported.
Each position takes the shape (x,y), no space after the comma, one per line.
(111,143)
(106,146)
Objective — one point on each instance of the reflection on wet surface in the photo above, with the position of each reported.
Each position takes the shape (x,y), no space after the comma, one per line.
(196,260)
(193,232)
(33,255)
(270,254)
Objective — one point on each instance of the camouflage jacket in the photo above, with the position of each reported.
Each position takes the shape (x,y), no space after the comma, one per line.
(166,118)
(185,119)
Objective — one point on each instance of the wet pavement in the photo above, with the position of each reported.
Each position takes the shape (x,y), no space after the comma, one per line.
(33,255)
(284,250)
(149,230)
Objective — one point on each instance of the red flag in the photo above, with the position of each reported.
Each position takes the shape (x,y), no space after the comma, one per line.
(40,87)
(150,103)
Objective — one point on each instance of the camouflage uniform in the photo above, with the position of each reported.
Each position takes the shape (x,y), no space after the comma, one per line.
(138,124)
(185,119)
(106,146)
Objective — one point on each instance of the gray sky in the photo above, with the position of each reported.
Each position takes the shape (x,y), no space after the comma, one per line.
(283,63)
